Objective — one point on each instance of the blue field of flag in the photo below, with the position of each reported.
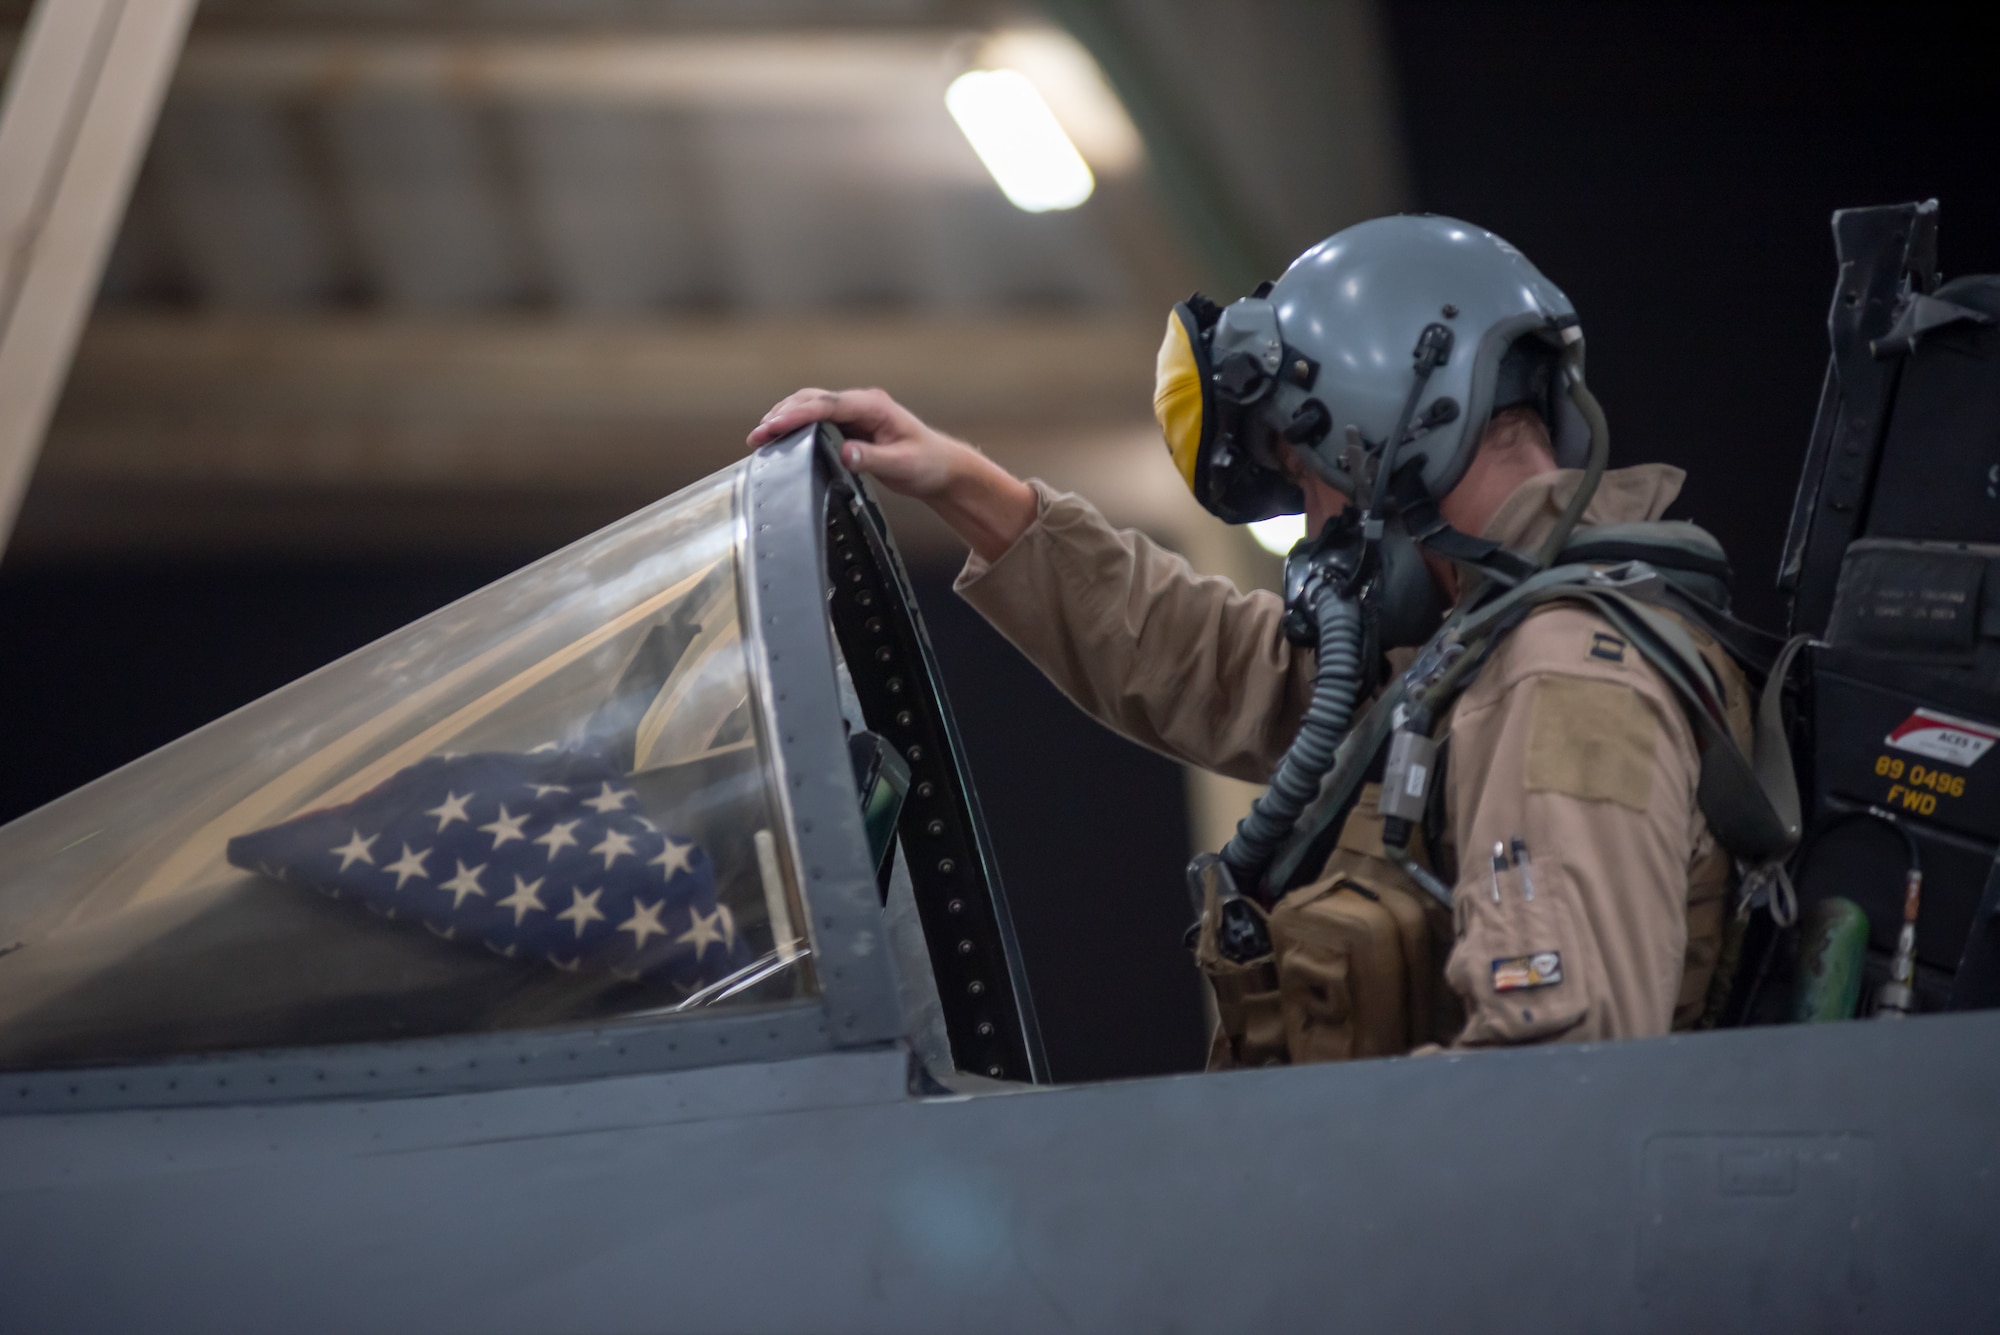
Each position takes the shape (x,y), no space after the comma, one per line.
(541,857)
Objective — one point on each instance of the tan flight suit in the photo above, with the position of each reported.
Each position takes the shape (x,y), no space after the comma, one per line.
(1567,739)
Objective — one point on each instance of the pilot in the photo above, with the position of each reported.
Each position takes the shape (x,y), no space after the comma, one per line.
(1414,385)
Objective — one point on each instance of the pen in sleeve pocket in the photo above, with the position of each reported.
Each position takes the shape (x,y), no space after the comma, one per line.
(1521,865)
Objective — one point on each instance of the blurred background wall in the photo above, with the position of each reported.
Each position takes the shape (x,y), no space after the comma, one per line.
(413,291)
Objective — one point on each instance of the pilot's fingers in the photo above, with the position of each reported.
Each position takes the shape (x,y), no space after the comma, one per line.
(859,458)
(862,412)
(788,414)
(792,412)
(901,465)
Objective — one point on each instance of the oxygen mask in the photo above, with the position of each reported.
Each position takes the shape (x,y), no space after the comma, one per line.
(1401,604)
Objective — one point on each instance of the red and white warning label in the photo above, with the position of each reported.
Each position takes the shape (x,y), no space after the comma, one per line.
(1956,741)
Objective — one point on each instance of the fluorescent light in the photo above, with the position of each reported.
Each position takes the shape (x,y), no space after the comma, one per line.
(1278,533)
(1070,82)
(1019,139)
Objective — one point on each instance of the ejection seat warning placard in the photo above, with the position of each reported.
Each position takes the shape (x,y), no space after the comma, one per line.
(1938,736)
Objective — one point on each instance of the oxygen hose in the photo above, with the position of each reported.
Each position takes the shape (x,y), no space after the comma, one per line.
(1593,470)
(1336,683)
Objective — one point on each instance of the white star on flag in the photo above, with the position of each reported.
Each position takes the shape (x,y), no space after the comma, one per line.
(705,930)
(644,922)
(550,862)
(559,837)
(465,883)
(582,910)
(451,809)
(673,858)
(356,850)
(408,865)
(608,800)
(614,846)
(505,827)
(526,899)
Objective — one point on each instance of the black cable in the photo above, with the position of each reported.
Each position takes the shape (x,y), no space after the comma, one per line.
(1887,818)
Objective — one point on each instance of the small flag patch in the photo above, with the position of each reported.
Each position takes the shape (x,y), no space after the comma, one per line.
(1518,973)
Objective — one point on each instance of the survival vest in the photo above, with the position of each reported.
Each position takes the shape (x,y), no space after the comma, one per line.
(1347,961)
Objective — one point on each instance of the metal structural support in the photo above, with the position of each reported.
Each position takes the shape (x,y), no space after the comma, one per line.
(80,105)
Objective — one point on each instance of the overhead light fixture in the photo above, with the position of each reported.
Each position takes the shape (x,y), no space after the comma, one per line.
(1279,533)
(1075,89)
(1011,128)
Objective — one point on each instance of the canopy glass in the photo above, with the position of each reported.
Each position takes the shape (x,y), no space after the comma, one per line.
(553,801)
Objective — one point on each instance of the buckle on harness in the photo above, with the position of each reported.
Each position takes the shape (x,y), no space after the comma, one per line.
(1431,664)
(1624,575)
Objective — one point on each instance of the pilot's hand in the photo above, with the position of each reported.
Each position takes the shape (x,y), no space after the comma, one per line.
(885,440)
(985,504)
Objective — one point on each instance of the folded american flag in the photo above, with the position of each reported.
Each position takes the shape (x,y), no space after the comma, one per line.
(544,856)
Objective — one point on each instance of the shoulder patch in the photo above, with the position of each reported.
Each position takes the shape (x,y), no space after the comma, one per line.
(1592,739)
(1606,646)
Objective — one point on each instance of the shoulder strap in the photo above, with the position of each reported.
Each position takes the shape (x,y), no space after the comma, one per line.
(1751,803)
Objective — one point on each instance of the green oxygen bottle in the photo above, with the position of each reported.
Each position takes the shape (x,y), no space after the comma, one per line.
(1833,942)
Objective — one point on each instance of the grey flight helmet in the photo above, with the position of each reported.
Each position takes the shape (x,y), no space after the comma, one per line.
(1328,358)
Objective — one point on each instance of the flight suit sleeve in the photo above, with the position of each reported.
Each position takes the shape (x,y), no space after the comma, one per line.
(1186,664)
(1572,743)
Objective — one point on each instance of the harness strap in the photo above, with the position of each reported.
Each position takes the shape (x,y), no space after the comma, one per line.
(1481,552)
(1608,551)
(1464,635)
(1771,755)
(1755,648)
(1751,803)
(1752,809)
(1427,525)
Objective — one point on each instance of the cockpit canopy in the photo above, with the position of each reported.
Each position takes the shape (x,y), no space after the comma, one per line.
(562,800)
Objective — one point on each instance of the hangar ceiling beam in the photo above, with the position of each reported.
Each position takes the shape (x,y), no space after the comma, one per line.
(305,432)
(718,373)
(81,101)
(756,70)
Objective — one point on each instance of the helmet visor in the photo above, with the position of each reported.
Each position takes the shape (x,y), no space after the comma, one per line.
(1181,395)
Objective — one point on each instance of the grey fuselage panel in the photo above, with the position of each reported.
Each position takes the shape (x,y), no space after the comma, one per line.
(1824,1178)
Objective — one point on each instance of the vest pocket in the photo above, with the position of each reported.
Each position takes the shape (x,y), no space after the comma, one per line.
(1315,1003)
(1343,983)
(1248,1029)
(1519,963)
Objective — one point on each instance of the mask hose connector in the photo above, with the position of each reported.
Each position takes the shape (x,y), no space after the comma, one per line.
(1399,855)
(1336,683)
